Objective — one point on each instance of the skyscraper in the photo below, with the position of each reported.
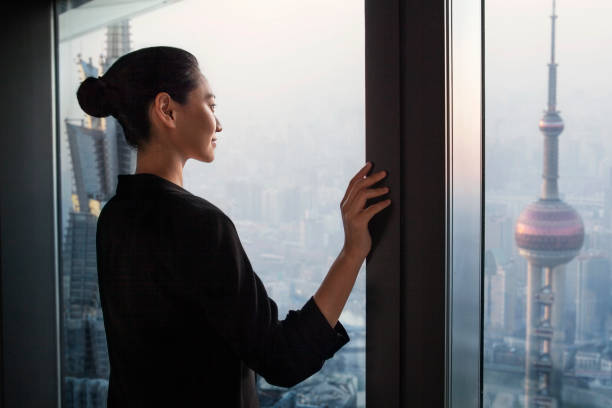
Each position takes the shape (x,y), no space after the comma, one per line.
(549,233)
(98,153)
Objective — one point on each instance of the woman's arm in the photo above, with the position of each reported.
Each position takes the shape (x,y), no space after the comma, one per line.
(214,276)
(338,284)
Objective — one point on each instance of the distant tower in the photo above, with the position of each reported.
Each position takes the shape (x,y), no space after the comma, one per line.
(549,233)
(117,42)
(118,39)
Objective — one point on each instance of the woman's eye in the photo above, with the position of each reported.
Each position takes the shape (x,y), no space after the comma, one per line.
(213,107)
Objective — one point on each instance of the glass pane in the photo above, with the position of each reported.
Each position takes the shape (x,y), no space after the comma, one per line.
(464,205)
(290,92)
(548,204)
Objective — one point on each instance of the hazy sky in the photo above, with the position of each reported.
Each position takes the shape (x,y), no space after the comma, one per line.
(269,57)
(517,51)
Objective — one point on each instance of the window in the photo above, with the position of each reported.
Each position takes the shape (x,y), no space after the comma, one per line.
(290,87)
(548,211)
(423,124)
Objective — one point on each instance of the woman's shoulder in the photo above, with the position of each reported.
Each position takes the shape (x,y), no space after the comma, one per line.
(179,203)
(192,207)
(186,212)
(196,205)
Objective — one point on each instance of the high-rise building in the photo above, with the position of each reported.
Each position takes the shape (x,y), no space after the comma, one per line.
(496,295)
(549,233)
(98,153)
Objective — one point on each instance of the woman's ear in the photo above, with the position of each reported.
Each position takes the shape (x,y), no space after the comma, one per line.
(162,110)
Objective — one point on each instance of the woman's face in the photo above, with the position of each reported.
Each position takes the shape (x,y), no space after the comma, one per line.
(198,126)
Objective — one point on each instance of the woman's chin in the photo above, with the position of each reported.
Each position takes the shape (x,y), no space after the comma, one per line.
(208,158)
(205,157)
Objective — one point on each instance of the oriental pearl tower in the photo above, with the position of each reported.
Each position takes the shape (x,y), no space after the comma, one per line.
(549,233)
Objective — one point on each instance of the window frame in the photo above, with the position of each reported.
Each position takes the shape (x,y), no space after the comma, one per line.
(414,111)
(413,115)
(30,369)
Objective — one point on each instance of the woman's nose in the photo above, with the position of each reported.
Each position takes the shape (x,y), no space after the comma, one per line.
(219,127)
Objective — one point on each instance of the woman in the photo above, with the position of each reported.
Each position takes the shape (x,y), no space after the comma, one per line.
(187,320)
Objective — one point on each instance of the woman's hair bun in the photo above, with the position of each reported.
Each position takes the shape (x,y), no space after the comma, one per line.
(94,97)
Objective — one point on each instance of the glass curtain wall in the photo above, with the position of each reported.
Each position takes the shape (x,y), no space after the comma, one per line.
(548,204)
(289,83)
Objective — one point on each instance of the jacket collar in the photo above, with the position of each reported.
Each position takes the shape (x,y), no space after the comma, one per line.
(145,183)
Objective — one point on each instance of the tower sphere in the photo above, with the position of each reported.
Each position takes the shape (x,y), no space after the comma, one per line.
(551,123)
(549,232)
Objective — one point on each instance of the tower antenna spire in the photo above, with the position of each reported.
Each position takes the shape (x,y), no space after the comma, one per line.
(552,66)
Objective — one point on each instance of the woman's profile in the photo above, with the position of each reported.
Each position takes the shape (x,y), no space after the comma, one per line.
(188,322)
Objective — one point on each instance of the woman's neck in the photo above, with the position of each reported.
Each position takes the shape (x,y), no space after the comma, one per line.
(162,161)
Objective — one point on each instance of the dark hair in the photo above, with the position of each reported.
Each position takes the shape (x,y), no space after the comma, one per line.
(131,83)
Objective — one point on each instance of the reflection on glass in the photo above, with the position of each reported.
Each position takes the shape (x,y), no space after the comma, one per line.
(290,92)
(547,314)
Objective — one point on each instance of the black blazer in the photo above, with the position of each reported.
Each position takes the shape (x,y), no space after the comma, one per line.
(187,319)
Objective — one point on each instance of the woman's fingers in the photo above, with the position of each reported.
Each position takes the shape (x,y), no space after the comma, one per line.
(368,181)
(360,175)
(362,184)
(357,205)
(372,210)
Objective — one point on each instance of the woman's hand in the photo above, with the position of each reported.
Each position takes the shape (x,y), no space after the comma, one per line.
(339,281)
(357,239)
